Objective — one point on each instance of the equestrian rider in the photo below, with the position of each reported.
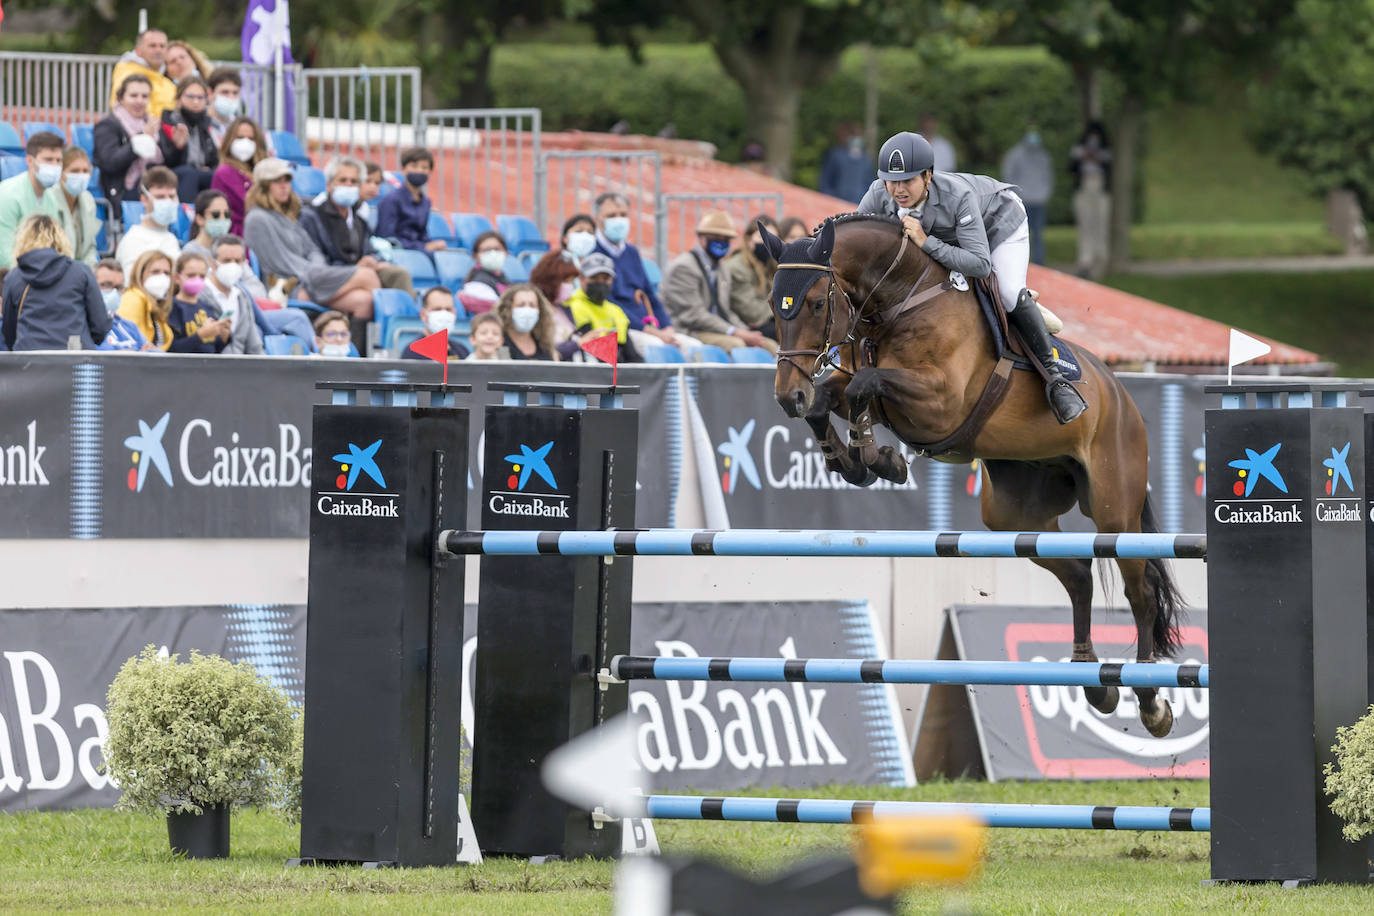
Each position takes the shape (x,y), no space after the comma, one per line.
(975,225)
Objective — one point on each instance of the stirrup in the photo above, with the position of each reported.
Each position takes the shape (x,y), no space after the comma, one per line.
(1065,401)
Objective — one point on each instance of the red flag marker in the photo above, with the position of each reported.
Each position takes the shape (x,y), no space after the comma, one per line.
(434,347)
(605,349)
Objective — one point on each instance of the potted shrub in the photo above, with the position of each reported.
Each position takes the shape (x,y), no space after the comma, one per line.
(191,740)
(1351,779)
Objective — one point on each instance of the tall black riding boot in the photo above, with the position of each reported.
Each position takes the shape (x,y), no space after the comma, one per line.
(1064,399)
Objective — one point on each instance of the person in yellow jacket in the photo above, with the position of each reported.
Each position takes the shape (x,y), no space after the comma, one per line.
(149,57)
(147,299)
(593,313)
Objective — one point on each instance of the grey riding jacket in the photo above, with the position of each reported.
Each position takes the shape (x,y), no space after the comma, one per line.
(965,217)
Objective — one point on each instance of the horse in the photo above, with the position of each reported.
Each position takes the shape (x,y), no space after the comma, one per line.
(913,347)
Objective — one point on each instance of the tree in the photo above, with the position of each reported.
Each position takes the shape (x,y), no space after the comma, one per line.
(456,38)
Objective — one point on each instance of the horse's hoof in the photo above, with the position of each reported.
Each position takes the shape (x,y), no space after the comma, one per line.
(1161,722)
(1103,699)
(891,465)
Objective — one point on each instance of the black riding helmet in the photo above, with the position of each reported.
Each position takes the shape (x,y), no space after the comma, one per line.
(904,156)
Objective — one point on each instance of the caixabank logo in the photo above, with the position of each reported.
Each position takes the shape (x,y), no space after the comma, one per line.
(784,463)
(197,455)
(1259,491)
(1336,499)
(531,485)
(360,486)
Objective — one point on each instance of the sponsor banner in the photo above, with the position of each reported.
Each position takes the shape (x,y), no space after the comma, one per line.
(1052,732)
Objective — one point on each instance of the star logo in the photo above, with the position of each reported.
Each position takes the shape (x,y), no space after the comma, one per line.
(738,462)
(148,451)
(1338,469)
(1256,465)
(531,461)
(359,461)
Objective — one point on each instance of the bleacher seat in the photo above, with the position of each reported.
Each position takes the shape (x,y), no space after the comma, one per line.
(662,353)
(102,214)
(35,127)
(709,353)
(391,181)
(467,226)
(422,271)
(94,187)
(521,234)
(11,166)
(288,147)
(83,135)
(401,333)
(515,270)
(752,355)
(131,212)
(308,182)
(652,271)
(185,219)
(285,345)
(9,140)
(531,258)
(439,228)
(453,264)
(387,305)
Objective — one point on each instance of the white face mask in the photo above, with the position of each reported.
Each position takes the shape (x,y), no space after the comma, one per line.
(440,320)
(112,298)
(226,107)
(524,317)
(493,259)
(334,349)
(157,285)
(243,148)
(580,243)
(229,273)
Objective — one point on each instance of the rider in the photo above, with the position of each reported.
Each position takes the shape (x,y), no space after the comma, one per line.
(975,225)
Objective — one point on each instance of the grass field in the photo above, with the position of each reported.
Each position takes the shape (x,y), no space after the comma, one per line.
(107,860)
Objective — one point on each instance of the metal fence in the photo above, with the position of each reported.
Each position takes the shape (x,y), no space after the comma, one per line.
(684,211)
(486,160)
(367,112)
(574,179)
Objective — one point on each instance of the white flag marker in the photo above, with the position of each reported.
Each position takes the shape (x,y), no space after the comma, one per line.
(1243,349)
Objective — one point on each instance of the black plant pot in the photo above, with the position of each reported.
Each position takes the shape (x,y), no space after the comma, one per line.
(200,836)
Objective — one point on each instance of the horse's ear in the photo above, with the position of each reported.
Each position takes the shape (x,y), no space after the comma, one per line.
(774,244)
(824,243)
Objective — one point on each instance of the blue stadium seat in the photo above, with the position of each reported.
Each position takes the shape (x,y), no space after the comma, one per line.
(254,265)
(439,228)
(102,215)
(390,304)
(531,258)
(422,271)
(515,270)
(521,234)
(662,353)
(308,182)
(401,333)
(35,127)
(83,135)
(9,140)
(391,181)
(709,353)
(285,345)
(182,227)
(453,264)
(652,272)
(306,305)
(11,166)
(288,147)
(467,226)
(131,212)
(94,187)
(752,355)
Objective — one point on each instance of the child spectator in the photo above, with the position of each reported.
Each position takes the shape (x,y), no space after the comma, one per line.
(486,337)
(403,214)
(592,310)
(332,336)
(160,208)
(73,205)
(147,298)
(369,191)
(48,299)
(197,326)
(243,147)
(124,334)
(438,314)
(527,322)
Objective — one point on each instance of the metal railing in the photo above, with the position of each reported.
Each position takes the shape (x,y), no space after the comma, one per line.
(574,179)
(683,212)
(366,112)
(486,160)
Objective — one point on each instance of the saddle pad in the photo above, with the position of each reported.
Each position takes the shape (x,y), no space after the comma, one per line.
(1064,356)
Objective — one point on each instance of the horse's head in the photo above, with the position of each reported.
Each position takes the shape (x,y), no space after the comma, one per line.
(804,307)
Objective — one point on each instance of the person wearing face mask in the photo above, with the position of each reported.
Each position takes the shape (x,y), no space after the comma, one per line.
(438,313)
(160,211)
(696,289)
(73,206)
(333,224)
(209,221)
(226,293)
(527,322)
(126,141)
(490,252)
(846,170)
(225,85)
(48,299)
(556,272)
(147,299)
(243,147)
(332,336)
(1090,161)
(24,193)
(595,313)
(124,334)
(632,289)
(196,328)
(1028,166)
(187,147)
(751,271)
(403,215)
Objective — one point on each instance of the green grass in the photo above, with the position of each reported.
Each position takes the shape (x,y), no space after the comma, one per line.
(1205,241)
(108,860)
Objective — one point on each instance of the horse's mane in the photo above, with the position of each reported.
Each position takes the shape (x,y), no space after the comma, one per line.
(857,217)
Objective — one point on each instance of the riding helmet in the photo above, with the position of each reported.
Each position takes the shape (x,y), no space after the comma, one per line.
(904,156)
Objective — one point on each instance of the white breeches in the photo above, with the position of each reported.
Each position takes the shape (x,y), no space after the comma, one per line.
(1010,260)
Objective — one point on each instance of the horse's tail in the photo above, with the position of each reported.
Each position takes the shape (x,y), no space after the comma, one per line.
(1168,601)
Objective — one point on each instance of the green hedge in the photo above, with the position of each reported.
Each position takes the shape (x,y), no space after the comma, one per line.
(983,98)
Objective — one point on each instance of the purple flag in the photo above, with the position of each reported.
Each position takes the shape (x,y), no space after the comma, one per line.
(267,24)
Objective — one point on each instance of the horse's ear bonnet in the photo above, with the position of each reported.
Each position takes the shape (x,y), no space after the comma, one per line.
(790,284)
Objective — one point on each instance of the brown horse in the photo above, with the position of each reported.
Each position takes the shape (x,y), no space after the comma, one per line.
(844,299)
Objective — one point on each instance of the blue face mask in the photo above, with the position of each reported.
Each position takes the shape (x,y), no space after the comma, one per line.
(49,173)
(345,196)
(111,297)
(718,248)
(76,182)
(165,211)
(617,228)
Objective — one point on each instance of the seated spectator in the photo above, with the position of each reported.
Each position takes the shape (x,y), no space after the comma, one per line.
(187,147)
(487,280)
(47,298)
(286,252)
(147,299)
(593,311)
(486,338)
(228,295)
(148,60)
(22,195)
(527,322)
(791,229)
(210,221)
(438,314)
(696,288)
(124,334)
(332,337)
(73,206)
(225,85)
(333,224)
(403,215)
(158,192)
(243,147)
(368,191)
(126,141)
(556,273)
(195,328)
(183,60)
(632,290)
(751,271)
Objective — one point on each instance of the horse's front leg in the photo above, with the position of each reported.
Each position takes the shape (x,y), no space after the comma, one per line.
(838,458)
(861,393)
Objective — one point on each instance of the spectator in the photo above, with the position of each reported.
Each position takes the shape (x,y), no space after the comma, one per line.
(438,314)
(22,194)
(148,60)
(487,280)
(48,298)
(147,298)
(185,141)
(225,85)
(556,273)
(792,228)
(847,169)
(754,157)
(73,205)
(595,313)
(333,224)
(230,296)
(945,158)
(126,141)
(332,336)
(1091,165)
(527,322)
(286,252)
(158,192)
(486,338)
(403,214)
(197,327)
(183,60)
(632,292)
(243,147)
(124,334)
(1028,166)
(751,271)
(697,291)
(369,191)
(211,220)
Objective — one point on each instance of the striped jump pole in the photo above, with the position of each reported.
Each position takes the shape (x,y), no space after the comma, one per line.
(767,542)
(834,811)
(877,671)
